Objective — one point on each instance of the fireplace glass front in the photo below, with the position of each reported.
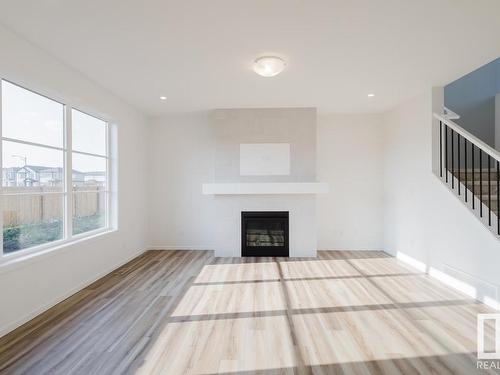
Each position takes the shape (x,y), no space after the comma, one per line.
(264,234)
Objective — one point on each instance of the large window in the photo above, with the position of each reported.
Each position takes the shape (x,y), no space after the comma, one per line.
(55,167)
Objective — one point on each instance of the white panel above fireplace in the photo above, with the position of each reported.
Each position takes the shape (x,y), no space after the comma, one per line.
(264,159)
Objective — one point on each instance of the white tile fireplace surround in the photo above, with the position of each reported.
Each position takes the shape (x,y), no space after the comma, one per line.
(265,160)
(302,221)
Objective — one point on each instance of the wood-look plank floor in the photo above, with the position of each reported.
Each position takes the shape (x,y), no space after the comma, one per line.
(183,312)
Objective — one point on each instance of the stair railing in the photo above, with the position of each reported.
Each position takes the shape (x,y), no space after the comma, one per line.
(471,165)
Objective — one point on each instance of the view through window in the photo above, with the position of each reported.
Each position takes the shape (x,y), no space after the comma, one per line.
(41,201)
(89,172)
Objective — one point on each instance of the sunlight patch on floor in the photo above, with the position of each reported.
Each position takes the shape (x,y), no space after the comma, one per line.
(208,347)
(368,336)
(414,289)
(231,298)
(238,272)
(334,293)
(381,266)
(317,268)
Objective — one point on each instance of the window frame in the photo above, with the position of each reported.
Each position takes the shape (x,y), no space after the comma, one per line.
(66,192)
(106,191)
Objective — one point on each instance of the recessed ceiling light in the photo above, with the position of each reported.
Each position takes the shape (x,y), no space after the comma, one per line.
(371,95)
(269,66)
(163,98)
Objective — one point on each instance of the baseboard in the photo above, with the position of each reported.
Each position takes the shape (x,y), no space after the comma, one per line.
(170,247)
(27,317)
(208,247)
(468,287)
(351,249)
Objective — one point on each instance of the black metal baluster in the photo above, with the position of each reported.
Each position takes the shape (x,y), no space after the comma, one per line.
(466,184)
(446,150)
(458,161)
(489,190)
(481,182)
(473,178)
(452,159)
(441,149)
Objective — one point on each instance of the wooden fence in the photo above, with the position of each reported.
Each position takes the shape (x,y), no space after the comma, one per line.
(34,207)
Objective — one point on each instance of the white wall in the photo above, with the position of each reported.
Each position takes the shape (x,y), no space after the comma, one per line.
(350,159)
(182,158)
(349,216)
(29,287)
(422,218)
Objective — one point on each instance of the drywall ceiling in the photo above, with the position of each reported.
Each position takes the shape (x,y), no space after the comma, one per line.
(199,53)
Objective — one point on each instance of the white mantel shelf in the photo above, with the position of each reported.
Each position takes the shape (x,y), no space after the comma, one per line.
(251,188)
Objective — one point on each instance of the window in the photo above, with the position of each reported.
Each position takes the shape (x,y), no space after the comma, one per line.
(90,169)
(44,201)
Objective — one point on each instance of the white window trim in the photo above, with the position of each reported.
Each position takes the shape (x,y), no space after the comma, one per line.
(67,191)
(38,253)
(68,170)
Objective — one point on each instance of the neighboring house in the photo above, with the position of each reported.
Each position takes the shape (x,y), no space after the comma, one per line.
(9,176)
(50,176)
(95,178)
(31,175)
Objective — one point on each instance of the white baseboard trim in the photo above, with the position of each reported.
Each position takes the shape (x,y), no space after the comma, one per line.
(27,317)
(467,288)
(171,247)
(208,247)
(350,249)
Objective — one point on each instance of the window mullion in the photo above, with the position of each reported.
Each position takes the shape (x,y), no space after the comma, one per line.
(107,182)
(68,170)
(89,154)
(41,145)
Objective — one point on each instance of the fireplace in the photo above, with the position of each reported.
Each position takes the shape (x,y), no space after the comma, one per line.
(264,234)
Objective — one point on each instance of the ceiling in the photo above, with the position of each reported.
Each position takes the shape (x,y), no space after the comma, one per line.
(199,53)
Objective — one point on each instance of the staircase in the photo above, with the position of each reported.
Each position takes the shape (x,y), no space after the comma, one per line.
(470,168)
(480,185)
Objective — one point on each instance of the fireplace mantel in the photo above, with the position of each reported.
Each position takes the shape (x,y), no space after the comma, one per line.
(251,188)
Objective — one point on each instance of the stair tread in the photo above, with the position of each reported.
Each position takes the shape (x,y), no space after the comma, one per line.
(485,197)
(477,182)
(477,170)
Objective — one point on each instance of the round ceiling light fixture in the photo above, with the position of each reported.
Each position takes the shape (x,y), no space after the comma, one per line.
(269,66)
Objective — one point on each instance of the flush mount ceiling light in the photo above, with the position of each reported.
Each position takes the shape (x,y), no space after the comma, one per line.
(269,66)
(371,95)
(163,98)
